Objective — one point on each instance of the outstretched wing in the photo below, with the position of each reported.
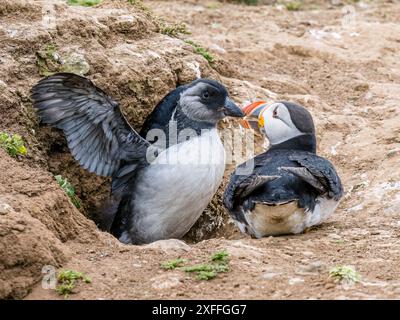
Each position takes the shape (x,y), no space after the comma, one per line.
(97,133)
(317,172)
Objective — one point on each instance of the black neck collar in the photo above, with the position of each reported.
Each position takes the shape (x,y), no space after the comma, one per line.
(305,142)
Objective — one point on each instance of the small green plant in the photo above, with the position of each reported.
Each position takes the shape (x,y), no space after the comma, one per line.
(199,267)
(213,5)
(206,275)
(172,30)
(345,274)
(67,280)
(140,5)
(69,190)
(293,5)
(221,256)
(172,264)
(248,2)
(202,51)
(221,267)
(13,144)
(65,289)
(85,3)
(47,60)
(219,262)
(207,271)
(203,271)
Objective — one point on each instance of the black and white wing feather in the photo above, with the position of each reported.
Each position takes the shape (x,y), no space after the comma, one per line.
(97,133)
(318,172)
(241,186)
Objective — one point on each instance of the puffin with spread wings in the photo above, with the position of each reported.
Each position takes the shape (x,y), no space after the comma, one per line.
(290,188)
(157,193)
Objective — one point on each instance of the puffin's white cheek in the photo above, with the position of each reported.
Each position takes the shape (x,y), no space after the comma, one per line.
(272,130)
(277,131)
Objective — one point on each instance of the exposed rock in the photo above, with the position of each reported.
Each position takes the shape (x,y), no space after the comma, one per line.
(294,281)
(270,275)
(5,208)
(166,281)
(168,245)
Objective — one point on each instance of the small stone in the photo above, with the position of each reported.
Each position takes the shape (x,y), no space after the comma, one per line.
(334,236)
(76,63)
(18,227)
(5,208)
(308,253)
(166,281)
(217,48)
(393,152)
(168,245)
(329,285)
(336,2)
(397,290)
(314,266)
(240,249)
(294,281)
(270,275)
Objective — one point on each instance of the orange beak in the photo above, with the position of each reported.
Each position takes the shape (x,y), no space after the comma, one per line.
(252,112)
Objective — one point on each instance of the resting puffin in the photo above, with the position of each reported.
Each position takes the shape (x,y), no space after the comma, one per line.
(158,192)
(291,188)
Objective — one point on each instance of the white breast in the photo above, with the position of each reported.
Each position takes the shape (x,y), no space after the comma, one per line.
(174,190)
(286,218)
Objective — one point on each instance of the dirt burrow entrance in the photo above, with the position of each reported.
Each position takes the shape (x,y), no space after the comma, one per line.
(348,78)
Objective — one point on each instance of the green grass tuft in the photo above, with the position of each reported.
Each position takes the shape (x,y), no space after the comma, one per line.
(345,273)
(69,190)
(207,271)
(221,267)
(202,267)
(293,5)
(202,51)
(173,264)
(219,262)
(172,30)
(47,60)
(248,2)
(206,275)
(13,144)
(84,3)
(67,280)
(140,5)
(221,256)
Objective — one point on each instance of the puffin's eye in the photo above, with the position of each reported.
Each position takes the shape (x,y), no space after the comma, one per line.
(206,94)
(275,113)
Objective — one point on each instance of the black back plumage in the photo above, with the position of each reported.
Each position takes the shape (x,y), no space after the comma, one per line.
(289,174)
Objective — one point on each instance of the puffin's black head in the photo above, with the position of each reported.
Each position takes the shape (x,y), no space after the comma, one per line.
(282,121)
(206,100)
